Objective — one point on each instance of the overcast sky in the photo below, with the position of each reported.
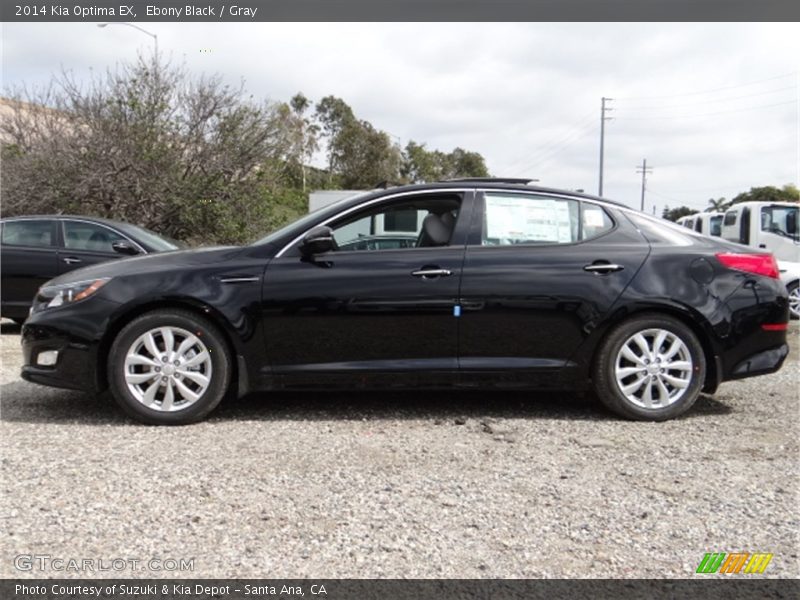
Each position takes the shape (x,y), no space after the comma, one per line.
(713,107)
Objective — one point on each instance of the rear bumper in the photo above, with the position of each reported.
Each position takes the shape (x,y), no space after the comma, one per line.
(761,363)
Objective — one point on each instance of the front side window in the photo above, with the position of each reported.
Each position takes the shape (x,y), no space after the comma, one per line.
(89,237)
(419,222)
(730,218)
(29,232)
(781,220)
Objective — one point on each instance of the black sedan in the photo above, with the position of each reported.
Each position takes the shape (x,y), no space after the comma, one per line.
(37,249)
(506,286)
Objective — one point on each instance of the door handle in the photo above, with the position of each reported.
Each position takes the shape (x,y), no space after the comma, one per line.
(71,260)
(603,268)
(430,273)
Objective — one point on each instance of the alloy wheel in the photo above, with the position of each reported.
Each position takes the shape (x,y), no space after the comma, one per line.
(794,301)
(653,368)
(168,369)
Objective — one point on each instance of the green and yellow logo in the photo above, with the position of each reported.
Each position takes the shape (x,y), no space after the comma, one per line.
(737,562)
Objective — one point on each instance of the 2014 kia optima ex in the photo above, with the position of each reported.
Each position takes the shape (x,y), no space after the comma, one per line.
(506,286)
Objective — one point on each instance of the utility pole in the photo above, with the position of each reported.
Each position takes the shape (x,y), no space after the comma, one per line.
(644,170)
(603,118)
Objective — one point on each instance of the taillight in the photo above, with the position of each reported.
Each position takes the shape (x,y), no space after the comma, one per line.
(759,264)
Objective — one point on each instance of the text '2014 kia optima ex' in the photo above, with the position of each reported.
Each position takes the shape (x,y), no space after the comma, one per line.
(506,286)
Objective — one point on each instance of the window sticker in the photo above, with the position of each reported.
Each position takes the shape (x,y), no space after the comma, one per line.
(515,220)
(593,217)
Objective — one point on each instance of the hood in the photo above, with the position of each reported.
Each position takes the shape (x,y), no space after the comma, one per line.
(150,263)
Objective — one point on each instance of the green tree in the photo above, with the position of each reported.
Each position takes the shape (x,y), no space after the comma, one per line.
(718,205)
(673,214)
(422,165)
(359,155)
(302,134)
(769,193)
(190,157)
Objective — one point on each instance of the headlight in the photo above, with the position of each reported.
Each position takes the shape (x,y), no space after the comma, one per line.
(51,296)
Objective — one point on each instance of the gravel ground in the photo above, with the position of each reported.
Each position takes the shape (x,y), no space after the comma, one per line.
(406,485)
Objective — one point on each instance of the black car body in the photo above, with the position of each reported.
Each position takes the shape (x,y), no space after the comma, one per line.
(509,286)
(38,248)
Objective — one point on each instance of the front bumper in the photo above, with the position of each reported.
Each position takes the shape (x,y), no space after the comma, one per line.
(71,333)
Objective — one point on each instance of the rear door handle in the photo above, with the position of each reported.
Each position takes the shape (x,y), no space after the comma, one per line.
(71,260)
(430,273)
(603,268)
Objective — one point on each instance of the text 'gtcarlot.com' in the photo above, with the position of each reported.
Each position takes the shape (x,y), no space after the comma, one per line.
(45,562)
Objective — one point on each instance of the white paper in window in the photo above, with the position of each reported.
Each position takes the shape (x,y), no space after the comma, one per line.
(514,220)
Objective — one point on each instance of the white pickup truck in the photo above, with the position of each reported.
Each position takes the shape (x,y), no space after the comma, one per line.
(770,226)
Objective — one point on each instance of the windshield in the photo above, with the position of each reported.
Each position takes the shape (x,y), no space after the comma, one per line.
(150,238)
(305,220)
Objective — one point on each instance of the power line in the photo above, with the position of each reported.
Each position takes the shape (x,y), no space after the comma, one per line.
(719,89)
(714,101)
(555,151)
(711,114)
(554,141)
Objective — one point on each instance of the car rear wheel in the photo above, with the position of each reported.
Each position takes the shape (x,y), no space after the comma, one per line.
(169,367)
(650,368)
(794,299)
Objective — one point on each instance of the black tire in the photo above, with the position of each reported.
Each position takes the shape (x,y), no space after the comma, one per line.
(205,331)
(605,381)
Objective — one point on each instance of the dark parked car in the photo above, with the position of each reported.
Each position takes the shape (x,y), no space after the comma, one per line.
(507,286)
(37,249)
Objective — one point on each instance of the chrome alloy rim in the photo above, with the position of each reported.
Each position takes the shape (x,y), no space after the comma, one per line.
(168,369)
(653,368)
(794,301)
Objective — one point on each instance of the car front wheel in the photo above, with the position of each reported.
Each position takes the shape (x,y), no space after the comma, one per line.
(650,368)
(169,367)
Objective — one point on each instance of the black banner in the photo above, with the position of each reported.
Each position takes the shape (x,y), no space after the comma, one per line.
(399,10)
(728,588)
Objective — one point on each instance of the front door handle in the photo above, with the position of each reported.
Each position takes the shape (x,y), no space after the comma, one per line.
(71,260)
(431,272)
(602,268)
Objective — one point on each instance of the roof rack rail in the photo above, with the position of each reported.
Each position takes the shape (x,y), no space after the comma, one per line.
(513,180)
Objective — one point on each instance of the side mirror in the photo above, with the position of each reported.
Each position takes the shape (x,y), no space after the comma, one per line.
(124,248)
(318,241)
(791,222)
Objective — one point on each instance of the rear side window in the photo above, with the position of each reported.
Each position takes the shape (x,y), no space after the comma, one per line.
(30,232)
(511,219)
(90,237)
